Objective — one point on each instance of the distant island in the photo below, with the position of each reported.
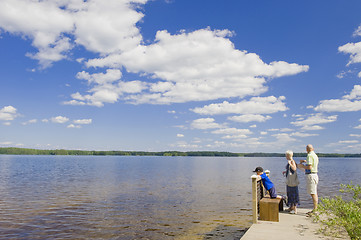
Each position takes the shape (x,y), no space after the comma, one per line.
(28,151)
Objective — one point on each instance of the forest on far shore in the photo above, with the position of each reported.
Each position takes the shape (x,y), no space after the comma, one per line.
(29,151)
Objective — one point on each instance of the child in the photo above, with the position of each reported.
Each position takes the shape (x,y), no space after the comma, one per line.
(267,183)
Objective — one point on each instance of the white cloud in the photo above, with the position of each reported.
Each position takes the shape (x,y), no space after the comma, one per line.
(314,119)
(41,21)
(284,138)
(357,32)
(358,127)
(352,101)
(73,126)
(354,49)
(355,93)
(263,133)
(56,26)
(249,118)
(311,128)
(286,130)
(110,76)
(232,131)
(189,66)
(355,135)
(235,137)
(343,74)
(8,113)
(83,121)
(107,88)
(196,66)
(302,134)
(185,145)
(180,135)
(348,141)
(256,105)
(205,123)
(32,121)
(59,119)
(338,105)
(348,103)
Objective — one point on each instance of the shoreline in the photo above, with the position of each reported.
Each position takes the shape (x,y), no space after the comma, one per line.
(64,152)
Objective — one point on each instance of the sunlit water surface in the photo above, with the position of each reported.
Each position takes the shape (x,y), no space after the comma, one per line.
(87,197)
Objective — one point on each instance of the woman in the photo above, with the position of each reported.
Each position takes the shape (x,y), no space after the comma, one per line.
(292,183)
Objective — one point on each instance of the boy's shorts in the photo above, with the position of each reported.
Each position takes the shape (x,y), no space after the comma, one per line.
(312,181)
(272,192)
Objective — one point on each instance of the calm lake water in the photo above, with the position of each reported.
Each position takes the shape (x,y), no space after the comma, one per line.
(87,197)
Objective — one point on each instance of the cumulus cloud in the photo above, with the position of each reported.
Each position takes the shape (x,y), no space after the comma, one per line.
(180,135)
(280,130)
(249,118)
(187,66)
(232,133)
(355,135)
(59,119)
(283,138)
(354,49)
(313,120)
(107,88)
(55,27)
(302,134)
(348,141)
(205,123)
(32,121)
(313,127)
(348,103)
(44,22)
(83,121)
(197,66)
(110,76)
(256,105)
(8,113)
(73,126)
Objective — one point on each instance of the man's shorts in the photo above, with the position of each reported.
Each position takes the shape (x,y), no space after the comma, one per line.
(312,181)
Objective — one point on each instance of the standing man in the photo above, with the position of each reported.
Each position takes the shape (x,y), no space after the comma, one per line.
(311,169)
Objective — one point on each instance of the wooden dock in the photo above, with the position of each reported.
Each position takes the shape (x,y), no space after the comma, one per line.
(290,226)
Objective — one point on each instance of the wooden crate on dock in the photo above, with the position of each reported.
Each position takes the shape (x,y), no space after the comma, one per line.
(269,209)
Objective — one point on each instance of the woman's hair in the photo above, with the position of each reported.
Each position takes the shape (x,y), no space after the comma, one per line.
(289,152)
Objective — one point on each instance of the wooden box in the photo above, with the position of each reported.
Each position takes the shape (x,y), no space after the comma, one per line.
(269,209)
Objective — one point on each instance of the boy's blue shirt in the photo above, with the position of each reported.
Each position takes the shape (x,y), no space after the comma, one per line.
(266,181)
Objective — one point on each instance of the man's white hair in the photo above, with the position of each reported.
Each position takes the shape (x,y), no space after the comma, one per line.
(289,153)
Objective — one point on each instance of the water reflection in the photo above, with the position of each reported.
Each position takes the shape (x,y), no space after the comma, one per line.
(44,197)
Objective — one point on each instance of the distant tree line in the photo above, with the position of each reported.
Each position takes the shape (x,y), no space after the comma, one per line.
(28,151)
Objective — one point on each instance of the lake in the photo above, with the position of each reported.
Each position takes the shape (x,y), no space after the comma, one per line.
(121,197)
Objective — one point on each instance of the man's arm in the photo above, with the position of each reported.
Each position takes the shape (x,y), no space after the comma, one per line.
(302,166)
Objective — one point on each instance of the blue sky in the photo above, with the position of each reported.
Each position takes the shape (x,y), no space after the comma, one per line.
(235,75)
